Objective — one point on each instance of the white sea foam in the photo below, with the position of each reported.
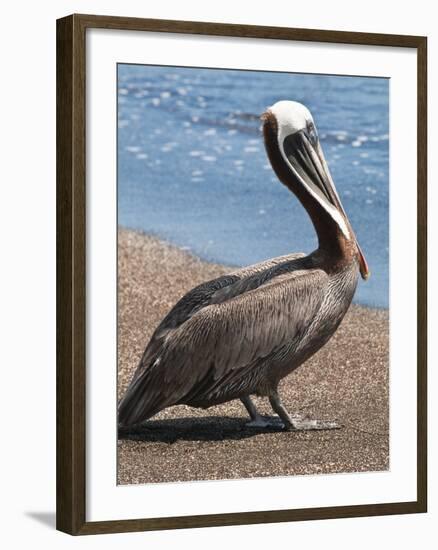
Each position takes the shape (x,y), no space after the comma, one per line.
(369,171)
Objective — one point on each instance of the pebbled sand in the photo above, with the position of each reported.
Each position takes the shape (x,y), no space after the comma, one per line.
(346,381)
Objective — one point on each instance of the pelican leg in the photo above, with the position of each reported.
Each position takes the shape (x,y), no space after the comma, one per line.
(298,422)
(257,420)
(279,408)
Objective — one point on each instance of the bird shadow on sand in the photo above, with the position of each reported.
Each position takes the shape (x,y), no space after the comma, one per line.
(213,428)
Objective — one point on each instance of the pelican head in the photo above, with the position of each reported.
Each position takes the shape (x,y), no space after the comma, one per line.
(298,143)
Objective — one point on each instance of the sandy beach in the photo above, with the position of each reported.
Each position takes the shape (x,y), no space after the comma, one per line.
(346,381)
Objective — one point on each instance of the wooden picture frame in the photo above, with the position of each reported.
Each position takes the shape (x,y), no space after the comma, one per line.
(71,273)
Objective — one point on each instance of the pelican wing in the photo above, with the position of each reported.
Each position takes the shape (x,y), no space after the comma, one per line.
(224,341)
(201,296)
(213,291)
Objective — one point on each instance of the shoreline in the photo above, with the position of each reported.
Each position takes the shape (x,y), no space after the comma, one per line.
(347,380)
(213,261)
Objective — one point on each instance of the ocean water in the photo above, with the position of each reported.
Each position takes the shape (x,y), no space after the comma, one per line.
(192,167)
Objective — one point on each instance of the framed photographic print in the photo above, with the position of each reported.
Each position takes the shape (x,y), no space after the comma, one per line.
(241,274)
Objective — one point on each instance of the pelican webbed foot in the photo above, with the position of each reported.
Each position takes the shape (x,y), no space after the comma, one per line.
(303,424)
(257,420)
(298,422)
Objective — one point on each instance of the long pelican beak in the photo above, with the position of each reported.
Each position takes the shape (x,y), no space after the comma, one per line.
(363,266)
(303,153)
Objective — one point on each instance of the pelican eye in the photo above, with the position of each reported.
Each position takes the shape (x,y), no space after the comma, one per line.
(312,133)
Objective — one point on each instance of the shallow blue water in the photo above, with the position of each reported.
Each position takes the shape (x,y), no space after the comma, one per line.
(192,166)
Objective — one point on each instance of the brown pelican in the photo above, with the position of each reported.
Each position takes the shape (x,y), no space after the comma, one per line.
(240,334)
